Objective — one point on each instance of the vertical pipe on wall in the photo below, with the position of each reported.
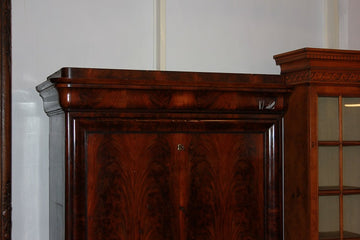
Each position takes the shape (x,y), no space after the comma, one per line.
(160,34)
(344,24)
(331,23)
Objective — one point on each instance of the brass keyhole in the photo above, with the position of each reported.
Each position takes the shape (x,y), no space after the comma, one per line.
(180,147)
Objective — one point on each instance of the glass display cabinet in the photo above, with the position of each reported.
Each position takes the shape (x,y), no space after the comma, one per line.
(339,164)
(322,144)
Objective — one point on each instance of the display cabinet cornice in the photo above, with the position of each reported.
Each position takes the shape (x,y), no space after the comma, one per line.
(164,155)
(322,144)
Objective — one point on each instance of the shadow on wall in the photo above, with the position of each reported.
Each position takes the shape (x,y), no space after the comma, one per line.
(30,187)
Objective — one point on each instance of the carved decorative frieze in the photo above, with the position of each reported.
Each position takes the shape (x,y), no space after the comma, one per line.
(331,56)
(318,77)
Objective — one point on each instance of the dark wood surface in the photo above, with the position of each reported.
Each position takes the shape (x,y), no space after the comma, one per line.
(5,118)
(335,190)
(297,210)
(165,155)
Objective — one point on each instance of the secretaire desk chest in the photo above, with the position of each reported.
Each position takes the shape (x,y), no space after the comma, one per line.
(164,155)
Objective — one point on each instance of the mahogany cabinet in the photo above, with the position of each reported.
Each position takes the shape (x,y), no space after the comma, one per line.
(164,155)
(322,144)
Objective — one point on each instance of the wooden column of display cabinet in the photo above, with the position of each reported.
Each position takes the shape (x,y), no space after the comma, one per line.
(322,144)
(164,155)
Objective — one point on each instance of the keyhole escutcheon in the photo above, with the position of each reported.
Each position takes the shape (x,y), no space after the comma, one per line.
(180,147)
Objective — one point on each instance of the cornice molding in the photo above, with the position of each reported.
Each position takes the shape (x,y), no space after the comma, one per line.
(310,54)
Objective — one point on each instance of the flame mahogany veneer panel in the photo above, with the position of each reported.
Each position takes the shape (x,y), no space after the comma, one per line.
(139,185)
(130,187)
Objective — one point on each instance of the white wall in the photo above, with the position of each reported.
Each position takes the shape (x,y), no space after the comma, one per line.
(201,35)
(354,25)
(47,35)
(349,27)
(239,35)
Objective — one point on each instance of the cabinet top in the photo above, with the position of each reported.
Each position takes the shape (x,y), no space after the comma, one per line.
(111,90)
(117,78)
(324,54)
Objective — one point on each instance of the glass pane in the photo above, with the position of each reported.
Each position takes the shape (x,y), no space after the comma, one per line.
(329,214)
(351,166)
(352,213)
(328,166)
(351,119)
(328,119)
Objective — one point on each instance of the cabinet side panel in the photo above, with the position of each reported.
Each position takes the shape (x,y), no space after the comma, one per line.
(57,177)
(296,167)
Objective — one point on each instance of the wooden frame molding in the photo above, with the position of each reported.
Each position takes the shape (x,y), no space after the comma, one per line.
(5,118)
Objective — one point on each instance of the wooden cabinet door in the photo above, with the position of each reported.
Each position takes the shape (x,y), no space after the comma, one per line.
(226,186)
(176,179)
(130,186)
